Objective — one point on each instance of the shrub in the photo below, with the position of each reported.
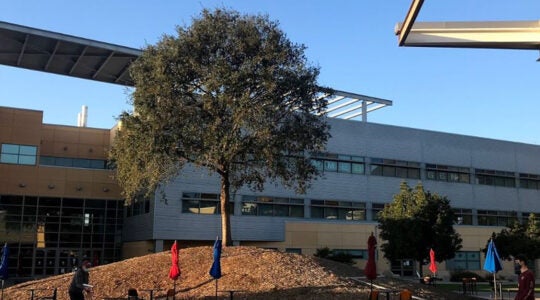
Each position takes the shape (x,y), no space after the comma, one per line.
(323,252)
(339,256)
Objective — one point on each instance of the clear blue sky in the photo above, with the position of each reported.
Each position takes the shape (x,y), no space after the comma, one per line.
(487,93)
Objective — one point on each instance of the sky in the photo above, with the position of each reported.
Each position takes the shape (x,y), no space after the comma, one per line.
(478,92)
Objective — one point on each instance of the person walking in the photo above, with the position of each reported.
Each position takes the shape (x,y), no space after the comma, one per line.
(525,280)
(79,282)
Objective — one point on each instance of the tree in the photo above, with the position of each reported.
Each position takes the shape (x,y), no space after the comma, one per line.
(230,94)
(518,238)
(428,219)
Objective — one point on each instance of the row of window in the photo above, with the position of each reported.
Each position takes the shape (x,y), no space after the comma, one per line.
(205,203)
(447,173)
(272,206)
(324,162)
(27,155)
(408,169)
(464,260)
(73,162)
(331,162)
(47,229)
(338,210)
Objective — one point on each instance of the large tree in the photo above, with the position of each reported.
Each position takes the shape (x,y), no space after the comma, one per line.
(416,221)
(230,94)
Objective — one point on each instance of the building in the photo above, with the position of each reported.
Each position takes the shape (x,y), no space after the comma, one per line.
(489,183)
(58,200)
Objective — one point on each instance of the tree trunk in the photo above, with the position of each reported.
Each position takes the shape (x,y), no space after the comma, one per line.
(224,198)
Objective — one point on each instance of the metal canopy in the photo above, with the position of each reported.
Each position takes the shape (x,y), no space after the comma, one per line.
(489,34)
(41,50)
(523,35)
(351,106)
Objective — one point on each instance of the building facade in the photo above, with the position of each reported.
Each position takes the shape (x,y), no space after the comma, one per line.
(58,201)
(488,182)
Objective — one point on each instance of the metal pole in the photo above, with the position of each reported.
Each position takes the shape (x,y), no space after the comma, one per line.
(174,288)
(216,287)
(494,287)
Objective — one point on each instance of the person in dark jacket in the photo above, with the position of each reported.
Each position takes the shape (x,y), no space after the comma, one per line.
(79,283)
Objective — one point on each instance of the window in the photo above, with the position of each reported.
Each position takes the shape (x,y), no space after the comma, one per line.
(529,181)
(496,218)
(293,250)
(18,154)
(353,253)
(331,162)
(496,178)
(338,210)
(73,162)
(139,206)
(395,168)
(464,260)
(447,173)
(376,208)
(463,216)
(203,203)
(272,206)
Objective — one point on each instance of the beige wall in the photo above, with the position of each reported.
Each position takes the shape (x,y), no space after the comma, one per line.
(311,236)
(21,126)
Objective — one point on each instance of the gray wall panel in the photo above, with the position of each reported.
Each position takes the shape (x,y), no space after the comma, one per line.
(368,140)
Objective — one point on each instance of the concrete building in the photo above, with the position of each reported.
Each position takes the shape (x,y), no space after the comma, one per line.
(489,183)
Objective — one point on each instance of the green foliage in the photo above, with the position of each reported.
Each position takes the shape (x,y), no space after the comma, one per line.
(518,238)
(415,222)
(322,252)
(229,94)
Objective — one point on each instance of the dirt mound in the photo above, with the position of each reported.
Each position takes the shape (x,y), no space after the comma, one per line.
(254,272)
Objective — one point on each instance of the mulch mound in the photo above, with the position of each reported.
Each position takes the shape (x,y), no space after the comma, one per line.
(254,273)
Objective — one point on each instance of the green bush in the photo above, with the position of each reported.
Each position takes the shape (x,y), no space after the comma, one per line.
(323,252)
(338,256)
